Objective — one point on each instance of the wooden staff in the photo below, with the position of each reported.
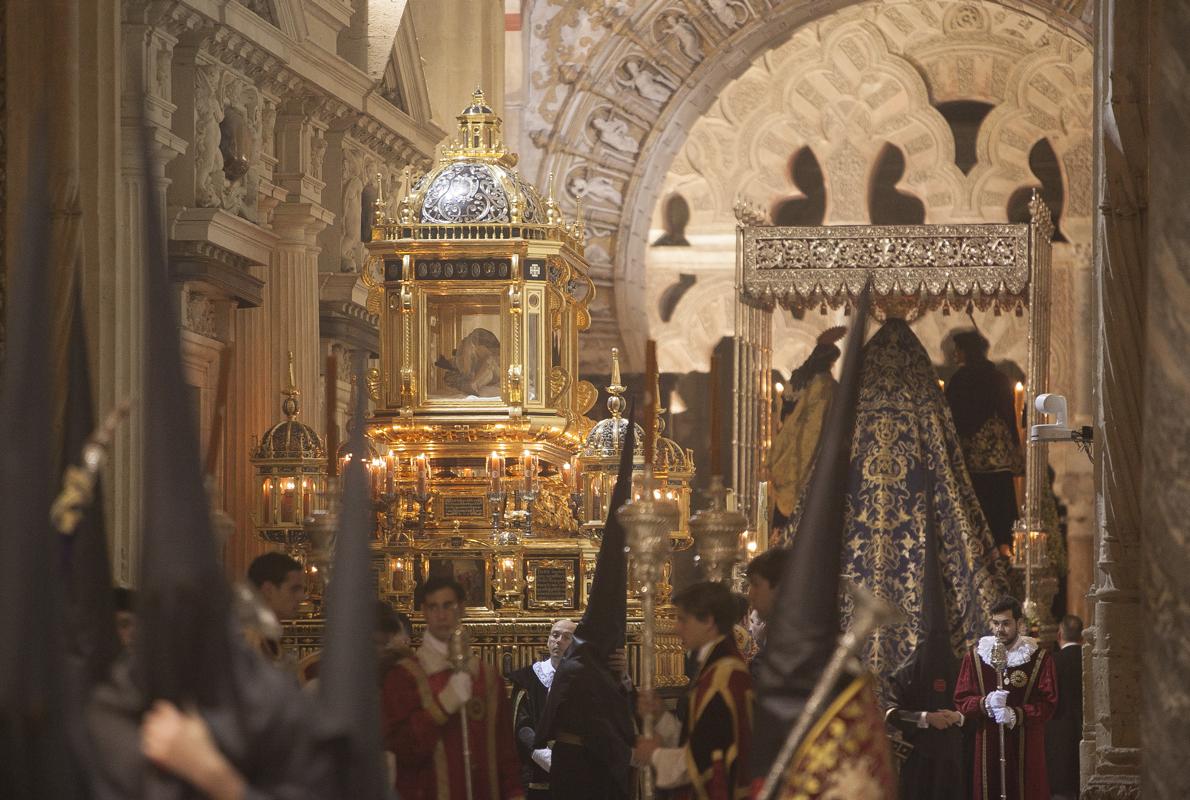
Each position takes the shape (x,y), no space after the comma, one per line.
(652,402)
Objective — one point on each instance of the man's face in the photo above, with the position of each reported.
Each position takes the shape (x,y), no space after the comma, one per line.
(694,632)
(285,599)
(126,628)
(443,613)
(761,595)
(1005,628)
(561,635)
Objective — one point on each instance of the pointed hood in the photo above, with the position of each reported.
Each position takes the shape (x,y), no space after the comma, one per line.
(93,641)
(803,633)
(184,636)
(35,760)
(604,625)
(925,681)
(347,691)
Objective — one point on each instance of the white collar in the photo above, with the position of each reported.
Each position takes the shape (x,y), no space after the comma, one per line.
(1068,644)
(704,652)
(431,641)
(432,655)
(544,670)
(1020,653)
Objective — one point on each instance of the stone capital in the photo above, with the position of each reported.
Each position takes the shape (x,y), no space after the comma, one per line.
(298,223)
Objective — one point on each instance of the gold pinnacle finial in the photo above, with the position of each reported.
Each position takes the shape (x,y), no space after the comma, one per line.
(290,406)
(615,403)
(378,206)
(660,410)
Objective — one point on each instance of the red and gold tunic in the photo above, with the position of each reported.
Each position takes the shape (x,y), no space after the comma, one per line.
(1032,695)
(428,742)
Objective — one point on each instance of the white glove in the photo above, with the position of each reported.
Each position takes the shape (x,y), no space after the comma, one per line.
(997,699)
(1005,716)
(543,758)
(456,692)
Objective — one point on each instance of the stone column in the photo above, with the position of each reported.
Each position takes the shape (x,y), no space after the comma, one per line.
(120,369)
(1165,712)
(1121,92)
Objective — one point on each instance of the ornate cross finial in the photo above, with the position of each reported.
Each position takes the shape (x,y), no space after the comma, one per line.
(378,205)
(616,403)
(290,406)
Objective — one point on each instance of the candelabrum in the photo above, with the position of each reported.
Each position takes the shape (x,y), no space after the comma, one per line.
(648,521)
(716,532)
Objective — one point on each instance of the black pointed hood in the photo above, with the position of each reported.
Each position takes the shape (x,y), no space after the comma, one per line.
(925,681)
(803,631)
(183,633)
(604,624)
(35,759)
(93,641)
(348,693)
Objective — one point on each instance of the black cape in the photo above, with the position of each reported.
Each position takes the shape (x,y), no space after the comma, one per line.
(528,704)
(588,718)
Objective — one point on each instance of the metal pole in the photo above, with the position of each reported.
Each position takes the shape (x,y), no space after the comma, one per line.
(459,652)
(1000,662)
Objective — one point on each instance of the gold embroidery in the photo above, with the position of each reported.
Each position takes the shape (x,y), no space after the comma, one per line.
(995,447)
(1017,678)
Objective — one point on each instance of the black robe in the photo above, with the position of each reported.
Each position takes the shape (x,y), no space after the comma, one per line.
(528,704)
(588,720)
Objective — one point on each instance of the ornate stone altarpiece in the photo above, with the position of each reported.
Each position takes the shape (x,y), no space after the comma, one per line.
(912,269)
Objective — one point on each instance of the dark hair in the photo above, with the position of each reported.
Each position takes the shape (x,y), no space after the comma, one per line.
(437,582)
(125,599)
(1008,603)
(1072,628)
(387,619)
(769,565)
(272,568)
(971,344)
(708,599)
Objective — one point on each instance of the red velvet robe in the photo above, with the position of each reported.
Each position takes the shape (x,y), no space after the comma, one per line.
(428,743)
(718,731)
(1032,694)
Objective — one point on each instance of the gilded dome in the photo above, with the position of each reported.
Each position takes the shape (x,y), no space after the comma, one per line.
(476,182)
(470,192)
(605,438)
(290,439)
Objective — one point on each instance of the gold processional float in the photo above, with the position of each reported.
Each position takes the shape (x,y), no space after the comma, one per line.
(484,465)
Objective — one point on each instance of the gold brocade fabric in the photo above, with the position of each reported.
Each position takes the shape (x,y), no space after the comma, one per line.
(907,467)
(792,453)
(994,448)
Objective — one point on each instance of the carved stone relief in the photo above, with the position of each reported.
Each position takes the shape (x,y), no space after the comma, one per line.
(229,133)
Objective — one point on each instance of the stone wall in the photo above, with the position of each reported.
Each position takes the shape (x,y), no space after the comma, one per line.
(1165,545)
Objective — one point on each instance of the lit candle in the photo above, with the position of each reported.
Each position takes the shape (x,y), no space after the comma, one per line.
(423,475)
(526,467)
(390,466)
(568,475)
(1018,401)
(288,489)
(495,471)
(266,500)
(307,497)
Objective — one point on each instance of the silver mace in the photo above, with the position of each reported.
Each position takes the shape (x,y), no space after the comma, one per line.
(648,520)
(716,533)
(459,653)
(1000,663)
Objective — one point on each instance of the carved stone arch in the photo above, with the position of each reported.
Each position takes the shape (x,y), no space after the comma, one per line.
(1012,128)
(575,51)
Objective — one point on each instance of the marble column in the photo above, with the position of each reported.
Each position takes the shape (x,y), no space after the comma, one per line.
(1113,684)
(1165,548)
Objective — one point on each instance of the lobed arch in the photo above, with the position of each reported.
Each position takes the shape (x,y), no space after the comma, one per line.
(580,45)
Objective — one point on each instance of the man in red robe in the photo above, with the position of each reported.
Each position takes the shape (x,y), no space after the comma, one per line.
(1021,708)
(424,701)
(707,756)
